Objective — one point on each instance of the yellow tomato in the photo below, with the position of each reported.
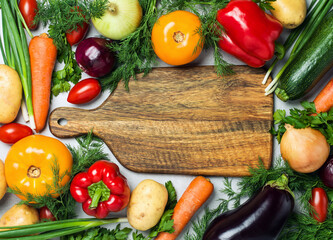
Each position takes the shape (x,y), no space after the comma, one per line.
(175,37)
(32,164)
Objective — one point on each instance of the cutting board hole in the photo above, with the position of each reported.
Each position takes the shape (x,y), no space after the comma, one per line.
(62,121)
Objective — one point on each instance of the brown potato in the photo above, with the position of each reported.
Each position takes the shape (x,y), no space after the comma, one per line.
(147,204)
(10,95)
(290,13)
(3,183)
(19,215)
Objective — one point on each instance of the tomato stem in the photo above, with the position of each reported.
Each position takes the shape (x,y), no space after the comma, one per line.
(34,172)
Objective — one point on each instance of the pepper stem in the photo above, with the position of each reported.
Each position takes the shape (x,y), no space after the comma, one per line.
(98,192)
(280,51)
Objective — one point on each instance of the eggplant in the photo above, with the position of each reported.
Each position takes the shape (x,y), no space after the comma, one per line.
(261,217)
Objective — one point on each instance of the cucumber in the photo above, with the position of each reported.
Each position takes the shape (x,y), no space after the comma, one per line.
(310,64)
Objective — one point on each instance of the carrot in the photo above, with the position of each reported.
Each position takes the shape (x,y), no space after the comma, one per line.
(192,199)
(43,56)
(324,100)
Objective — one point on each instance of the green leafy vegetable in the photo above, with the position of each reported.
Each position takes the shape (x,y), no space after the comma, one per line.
(102,234)
(304,118)
(62,16)
(135,53)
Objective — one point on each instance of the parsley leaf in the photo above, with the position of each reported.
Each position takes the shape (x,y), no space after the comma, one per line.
(102,234)
(302,118)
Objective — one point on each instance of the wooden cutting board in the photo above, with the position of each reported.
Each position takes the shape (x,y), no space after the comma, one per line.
(181,121)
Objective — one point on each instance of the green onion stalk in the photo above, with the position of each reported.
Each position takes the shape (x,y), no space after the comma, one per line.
(299,37)
(53,229)
(14,49)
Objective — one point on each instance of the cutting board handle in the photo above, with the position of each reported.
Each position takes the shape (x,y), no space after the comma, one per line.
(67,122)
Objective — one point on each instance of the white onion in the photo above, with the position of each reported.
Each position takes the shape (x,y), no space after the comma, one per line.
(120,20)
(306,150)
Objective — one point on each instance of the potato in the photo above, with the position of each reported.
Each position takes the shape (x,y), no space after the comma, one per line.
(3,183)
(19,215)
(290,13)
(11,94)
(147,204)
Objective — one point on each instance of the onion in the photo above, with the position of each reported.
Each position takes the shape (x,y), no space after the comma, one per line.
(326,172)
(94,57)
(120,19)
(306,150)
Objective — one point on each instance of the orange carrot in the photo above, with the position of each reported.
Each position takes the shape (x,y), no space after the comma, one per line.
(324,100)
(43,56)
(192,199)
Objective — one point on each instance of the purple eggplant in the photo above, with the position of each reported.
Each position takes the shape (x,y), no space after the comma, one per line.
(262,217)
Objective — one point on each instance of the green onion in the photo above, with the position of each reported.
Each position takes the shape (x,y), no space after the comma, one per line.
(16,51)
(302,34)
(52,229)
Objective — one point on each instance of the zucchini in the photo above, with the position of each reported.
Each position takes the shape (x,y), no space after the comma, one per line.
(310,64)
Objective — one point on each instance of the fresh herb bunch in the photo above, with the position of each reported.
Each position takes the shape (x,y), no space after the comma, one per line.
(308,117)
(89,150)
(102,234)
(299,226)
(134,53)
(62,16)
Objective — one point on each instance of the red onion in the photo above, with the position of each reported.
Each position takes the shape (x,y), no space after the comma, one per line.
(94,57)
(326,172)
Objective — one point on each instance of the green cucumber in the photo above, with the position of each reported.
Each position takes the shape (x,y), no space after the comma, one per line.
(310,64)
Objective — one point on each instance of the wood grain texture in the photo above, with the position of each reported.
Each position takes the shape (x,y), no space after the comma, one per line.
(182,121)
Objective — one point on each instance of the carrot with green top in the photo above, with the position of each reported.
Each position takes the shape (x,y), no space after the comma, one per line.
(324,100)
(196,194)
(43,56)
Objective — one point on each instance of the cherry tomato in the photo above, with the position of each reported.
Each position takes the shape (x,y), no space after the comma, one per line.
(12,132)
(75,36)
(175,38)
(28,9)
(84,91)
(45,214)
(319,202)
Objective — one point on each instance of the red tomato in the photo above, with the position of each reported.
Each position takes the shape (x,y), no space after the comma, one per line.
(12,132)
(319,202)
(84,91)
(46,215)
(28,9)
(77,35)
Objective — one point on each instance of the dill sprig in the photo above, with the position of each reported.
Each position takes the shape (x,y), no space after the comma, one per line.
(62,16)
(202,224)
(134,53)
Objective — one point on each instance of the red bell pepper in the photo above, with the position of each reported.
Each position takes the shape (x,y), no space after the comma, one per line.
(250,33)
(102,189)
